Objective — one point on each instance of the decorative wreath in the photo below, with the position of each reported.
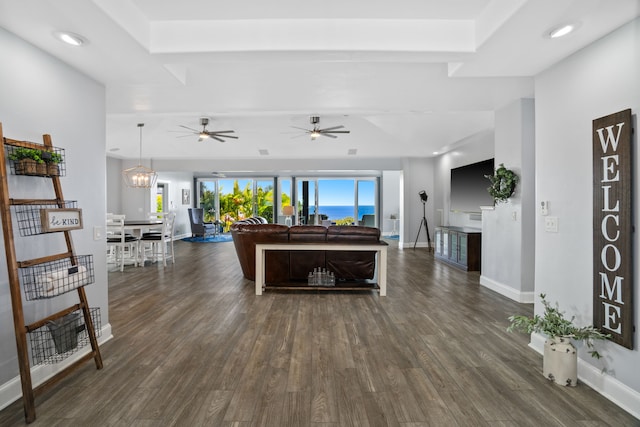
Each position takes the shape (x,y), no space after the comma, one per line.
(503,184)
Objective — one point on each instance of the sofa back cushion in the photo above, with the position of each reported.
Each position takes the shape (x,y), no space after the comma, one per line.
(350,265)
(347,233)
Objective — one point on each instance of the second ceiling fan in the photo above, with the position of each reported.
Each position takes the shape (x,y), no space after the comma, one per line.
(317,131)
(213,134)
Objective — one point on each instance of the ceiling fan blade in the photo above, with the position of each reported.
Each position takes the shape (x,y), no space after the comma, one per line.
(215,133)
(200,139)
(337,131)
(222,131)
(304,129)
(331,128)
(216,138)
(327,135)
(191,129)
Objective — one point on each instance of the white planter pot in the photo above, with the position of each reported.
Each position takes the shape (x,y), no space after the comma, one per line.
(560,363)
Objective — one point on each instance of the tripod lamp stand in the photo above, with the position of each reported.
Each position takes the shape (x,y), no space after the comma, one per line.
(423,199)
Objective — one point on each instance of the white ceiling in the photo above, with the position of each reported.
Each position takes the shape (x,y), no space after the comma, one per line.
(408,78)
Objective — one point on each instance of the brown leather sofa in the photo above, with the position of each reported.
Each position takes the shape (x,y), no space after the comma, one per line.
(284,267)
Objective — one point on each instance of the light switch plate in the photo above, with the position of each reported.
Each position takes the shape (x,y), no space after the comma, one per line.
(551,224)
(97,232)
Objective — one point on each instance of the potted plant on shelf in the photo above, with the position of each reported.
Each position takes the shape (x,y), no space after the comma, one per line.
(28,161)
(52,159)
(560,360)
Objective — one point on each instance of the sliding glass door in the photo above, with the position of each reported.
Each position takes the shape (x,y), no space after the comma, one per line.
(230,200)
(341,201)
(366,196)
(263,202)
(321,201)
(336,201)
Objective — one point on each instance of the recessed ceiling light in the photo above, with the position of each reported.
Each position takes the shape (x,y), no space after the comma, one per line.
(263,152)
(114,149)
(562,30)
(352,151)
(70,38)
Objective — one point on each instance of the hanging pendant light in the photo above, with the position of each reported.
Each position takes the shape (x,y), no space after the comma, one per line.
(140,176)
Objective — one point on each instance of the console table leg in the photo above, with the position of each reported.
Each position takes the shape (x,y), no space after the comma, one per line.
(382,272)
(259,271)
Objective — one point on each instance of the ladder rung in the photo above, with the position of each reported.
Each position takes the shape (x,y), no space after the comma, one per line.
(18,202)
(40,323)
(49,258)
(24,144)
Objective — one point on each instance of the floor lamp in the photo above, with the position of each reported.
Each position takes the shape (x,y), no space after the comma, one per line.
(423,221)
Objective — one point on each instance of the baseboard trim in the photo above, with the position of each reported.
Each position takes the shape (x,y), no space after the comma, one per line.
(409,245)
(606,385)
(12,389)
(507,291)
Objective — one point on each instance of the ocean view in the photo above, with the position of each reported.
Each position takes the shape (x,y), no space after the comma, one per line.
(338,212)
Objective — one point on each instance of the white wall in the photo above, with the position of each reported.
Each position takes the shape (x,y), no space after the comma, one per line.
(599,80)
(508,230)
(390,201)
(418,175)
(114,185)
(42,95)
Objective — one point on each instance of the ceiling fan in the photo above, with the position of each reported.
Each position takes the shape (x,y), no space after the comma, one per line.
(213,134)
(317,131)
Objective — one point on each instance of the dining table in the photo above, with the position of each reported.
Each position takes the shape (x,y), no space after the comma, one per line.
(137,226)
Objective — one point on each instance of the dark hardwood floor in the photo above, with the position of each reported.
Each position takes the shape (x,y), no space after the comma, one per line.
(193,346)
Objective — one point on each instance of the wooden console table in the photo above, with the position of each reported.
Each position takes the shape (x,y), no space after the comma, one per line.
(380,248)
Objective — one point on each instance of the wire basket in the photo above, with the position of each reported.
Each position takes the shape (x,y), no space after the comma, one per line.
(60,338)
(49,161)
(29,216)
(53,278)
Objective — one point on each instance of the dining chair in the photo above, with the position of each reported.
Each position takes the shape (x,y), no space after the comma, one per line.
(156,216)
(160,243)
(121,246)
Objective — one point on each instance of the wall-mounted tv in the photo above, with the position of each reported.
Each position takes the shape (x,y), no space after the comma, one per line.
(469,186)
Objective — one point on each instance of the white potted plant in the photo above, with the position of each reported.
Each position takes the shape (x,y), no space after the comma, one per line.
(560,362)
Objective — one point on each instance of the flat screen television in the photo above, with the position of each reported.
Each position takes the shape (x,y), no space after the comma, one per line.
(469,186)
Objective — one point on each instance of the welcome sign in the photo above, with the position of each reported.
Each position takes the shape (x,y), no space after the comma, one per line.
(613,227)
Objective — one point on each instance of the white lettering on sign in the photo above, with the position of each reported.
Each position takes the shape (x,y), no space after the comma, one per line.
(610,138)
(610,256)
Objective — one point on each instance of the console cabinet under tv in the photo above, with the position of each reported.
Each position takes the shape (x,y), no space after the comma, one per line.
(459,246)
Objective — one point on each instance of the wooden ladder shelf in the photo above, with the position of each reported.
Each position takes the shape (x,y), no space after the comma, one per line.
(68,259)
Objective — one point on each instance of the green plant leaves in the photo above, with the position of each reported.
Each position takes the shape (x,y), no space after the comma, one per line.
(503,184)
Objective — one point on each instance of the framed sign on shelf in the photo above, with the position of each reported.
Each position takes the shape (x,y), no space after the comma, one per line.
(60,219)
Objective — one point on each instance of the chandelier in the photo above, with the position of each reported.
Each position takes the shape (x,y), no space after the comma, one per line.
(139,176)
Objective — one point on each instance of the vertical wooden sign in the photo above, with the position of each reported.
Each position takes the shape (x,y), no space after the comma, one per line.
(613,227)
